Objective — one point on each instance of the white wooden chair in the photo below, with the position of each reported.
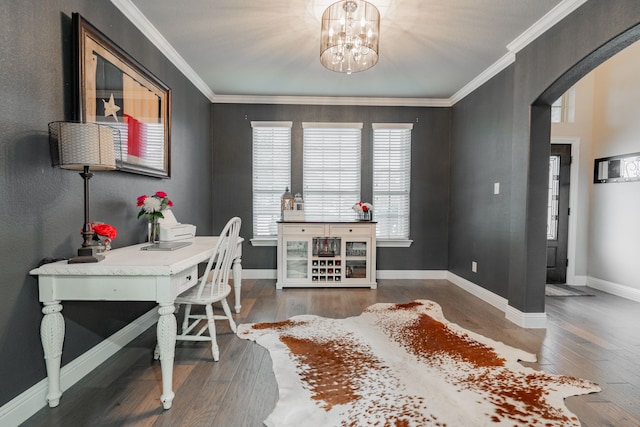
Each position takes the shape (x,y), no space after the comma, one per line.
(213,287)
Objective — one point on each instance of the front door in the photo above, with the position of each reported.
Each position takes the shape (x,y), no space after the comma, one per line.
(558,212)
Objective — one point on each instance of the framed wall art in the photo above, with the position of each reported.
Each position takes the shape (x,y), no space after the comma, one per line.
(114,89)
(623,168)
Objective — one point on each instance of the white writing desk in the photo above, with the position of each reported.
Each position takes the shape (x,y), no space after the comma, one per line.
(126,274)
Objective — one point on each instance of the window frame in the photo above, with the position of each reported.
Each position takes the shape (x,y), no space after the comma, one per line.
(402,172)
(274,193)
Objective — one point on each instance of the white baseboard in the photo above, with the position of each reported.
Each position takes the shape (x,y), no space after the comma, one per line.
(578,281)
(256,273)
(487,296)
(483,294)
(614,288)
(411,274)
(524,320)
(31,401)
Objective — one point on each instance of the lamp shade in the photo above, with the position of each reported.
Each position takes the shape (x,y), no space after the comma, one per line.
(349,36)
(76,145)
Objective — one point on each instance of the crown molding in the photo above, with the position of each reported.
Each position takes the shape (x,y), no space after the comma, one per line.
(483,77)
(554,16)
(332,100)
(133,14)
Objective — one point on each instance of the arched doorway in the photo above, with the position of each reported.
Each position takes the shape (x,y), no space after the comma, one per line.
(540,126)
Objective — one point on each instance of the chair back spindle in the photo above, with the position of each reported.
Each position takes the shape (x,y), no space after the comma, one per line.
(213,287)
(219,265)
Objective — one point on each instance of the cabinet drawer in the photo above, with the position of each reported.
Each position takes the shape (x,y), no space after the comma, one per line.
(186,279)
(352,230)
(303,229)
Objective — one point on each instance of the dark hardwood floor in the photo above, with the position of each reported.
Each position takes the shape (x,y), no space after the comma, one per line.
(595,337)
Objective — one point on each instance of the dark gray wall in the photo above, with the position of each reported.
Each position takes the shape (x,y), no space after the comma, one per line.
(42,207)
(429,173)
(545,67)
(481,157)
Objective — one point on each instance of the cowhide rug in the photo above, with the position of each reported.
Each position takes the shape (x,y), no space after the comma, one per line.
(405,365)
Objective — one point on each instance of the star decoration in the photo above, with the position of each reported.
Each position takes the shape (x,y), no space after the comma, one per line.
(110,108)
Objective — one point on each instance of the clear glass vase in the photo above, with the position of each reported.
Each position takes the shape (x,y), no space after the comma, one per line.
(364,216)
(154,230)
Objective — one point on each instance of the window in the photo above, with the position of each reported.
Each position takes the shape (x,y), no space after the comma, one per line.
(271,174)
(331,170)
(392,179)
(563,110)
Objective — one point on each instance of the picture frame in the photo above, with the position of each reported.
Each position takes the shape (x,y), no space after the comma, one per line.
(621,168)
(114,89)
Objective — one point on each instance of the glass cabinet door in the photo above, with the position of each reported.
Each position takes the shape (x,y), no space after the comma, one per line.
(356,259)
(326,263)
(297,259)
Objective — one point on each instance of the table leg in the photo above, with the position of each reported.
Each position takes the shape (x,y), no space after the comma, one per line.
(167,344)
(237,281)
(52,336)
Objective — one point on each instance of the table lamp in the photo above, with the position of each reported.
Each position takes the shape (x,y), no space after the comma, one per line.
(84,147)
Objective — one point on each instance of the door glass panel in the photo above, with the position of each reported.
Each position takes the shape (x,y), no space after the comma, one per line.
(356,269)
(356,249)
(297,259)
(297,249)
(356,262)
(554,193)
(326,246)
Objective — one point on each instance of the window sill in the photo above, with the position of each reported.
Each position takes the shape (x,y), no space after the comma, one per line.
(393,243)
(264,241)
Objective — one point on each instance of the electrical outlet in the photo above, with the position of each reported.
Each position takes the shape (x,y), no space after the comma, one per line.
(474,266)
(496,188)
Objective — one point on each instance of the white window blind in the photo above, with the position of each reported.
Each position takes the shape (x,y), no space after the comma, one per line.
(331,170)
(391,179)
(271,174)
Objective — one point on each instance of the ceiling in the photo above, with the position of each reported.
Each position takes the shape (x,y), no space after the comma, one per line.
(432,52)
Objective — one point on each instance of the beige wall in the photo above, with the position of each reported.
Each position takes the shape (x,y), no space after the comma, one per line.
(606,225)
(606,233)
(614,232)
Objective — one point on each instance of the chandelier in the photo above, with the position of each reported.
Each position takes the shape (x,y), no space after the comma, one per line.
(349,36)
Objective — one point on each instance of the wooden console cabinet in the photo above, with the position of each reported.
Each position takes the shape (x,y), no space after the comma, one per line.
(326,254)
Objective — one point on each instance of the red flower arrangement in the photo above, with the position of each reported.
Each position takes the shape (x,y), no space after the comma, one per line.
(362,207)
(152,206)
(363,210)
(109,232)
